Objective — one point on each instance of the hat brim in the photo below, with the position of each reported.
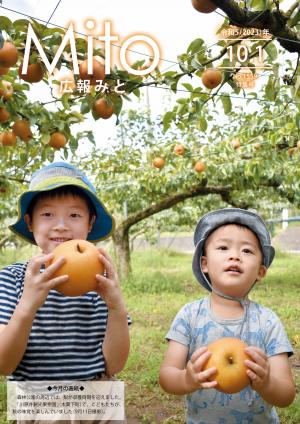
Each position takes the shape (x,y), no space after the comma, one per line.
(196,265)
(102,228)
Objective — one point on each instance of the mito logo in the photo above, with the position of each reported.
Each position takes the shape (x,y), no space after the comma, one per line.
(107,38)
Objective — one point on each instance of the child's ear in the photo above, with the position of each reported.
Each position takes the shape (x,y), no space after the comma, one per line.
(92,221)
(28,221)
(204,264)
(261,273)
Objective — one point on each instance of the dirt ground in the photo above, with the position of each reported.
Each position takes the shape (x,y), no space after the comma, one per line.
(155,412)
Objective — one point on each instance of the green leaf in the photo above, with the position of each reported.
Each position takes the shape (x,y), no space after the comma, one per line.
(226,63)
(202,123)
(170,80)
(20,87)
(182,101)
(137,92)
(276,68)
(297,86)
(189,87)
(55,40)
(85,105)
(295,19)
(118,103)
(252,67)
(51,31)
(173,86)
(298,120)
(5,23)
(271,51)
(44,139)
(90,136)
(124,96)
(38,28)
(195,46)
(21,25)
(258,4)
(65,102)
(95,116)
(167,120)
(23,158)
(181,109)
(60,125)
(227,105)
(1,40)
(72,120)
(196,63)
(269,90)
(198,105)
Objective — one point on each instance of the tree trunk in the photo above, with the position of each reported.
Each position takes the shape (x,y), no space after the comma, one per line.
(4,240)
(122,251)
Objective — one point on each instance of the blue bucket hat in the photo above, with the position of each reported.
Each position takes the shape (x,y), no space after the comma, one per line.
(212,220)
(59,174)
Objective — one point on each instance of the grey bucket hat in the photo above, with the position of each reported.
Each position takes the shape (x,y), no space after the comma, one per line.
(212,220)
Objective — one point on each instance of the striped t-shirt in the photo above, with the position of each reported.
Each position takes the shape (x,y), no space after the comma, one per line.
(66,336)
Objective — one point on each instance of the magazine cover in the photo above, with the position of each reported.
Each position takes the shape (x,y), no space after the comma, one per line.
(150,211)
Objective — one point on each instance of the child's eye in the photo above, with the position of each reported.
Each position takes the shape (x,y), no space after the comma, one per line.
(75,215)
(247,251)
(222,248)
(47,214)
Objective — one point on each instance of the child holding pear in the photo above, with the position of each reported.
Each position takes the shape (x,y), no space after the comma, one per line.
(45,335)
(233,251)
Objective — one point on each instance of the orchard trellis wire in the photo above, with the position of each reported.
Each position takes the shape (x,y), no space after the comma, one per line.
(143,54)
(173,63)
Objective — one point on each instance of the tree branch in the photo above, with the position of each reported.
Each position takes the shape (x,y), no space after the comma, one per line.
(5,177)
(275,21)
(4,240)
(296,67)
(198,190)
(291,9)
(172,200)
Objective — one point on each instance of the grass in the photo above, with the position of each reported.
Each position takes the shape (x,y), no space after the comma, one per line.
(162,282)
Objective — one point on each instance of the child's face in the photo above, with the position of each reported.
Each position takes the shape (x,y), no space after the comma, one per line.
(233,260)
(58,219)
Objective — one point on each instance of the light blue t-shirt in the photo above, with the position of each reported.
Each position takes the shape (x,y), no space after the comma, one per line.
(196,325)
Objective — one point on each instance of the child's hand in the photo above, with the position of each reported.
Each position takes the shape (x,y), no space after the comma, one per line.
(259,367)
(109,285)
(38,284)
(195,377)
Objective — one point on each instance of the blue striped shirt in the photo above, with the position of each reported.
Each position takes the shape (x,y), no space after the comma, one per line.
(66,336)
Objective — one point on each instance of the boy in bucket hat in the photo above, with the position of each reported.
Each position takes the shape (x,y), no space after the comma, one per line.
(43,334)
(232,252)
